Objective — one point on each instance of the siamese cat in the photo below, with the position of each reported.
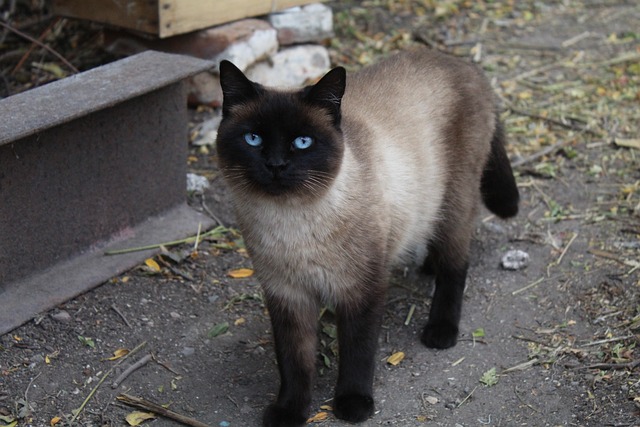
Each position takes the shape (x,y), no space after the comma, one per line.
(336,182)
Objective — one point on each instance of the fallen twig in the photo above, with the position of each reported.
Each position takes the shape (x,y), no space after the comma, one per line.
(140,363)
(629,365)
(77,412)
(554,121)
(592,343)
(467,398)
(218,230)
(153,407)
(564,251)
(39,43)
(535,156)
(124,319)
(529,286)
(33,45)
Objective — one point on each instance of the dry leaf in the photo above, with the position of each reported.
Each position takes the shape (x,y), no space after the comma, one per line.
(395,358)
(628,143)
(137,418)
(320,416)
(241,273)
(240,321)
(326,408)
(47,360)
(152,264)
(121,352)
(54,421)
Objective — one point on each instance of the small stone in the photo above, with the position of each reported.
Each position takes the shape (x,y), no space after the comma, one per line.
(515,260)
(37,359)
(292,67)
(61,316)
(188,351)
(196,183)
(213,298)
(175,315)
(431,400)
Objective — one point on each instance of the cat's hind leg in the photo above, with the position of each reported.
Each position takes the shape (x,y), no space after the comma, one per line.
(448,256)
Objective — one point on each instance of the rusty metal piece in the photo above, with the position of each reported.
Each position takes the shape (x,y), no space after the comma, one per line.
(87,163)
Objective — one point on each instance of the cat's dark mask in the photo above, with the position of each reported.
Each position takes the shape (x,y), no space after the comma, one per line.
(280,142)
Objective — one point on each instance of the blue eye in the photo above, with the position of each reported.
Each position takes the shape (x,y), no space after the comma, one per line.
(252,139)
(302,142)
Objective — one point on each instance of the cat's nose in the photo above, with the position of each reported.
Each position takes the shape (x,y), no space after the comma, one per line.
(277,163)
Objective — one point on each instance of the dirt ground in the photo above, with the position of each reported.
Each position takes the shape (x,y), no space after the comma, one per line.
(553,344)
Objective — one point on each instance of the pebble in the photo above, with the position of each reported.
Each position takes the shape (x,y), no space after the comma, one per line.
(188,351)
(61,316)
(515,260)
(196,183)
(175,315)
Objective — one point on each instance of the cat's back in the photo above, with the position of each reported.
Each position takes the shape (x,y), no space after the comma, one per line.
(422,119)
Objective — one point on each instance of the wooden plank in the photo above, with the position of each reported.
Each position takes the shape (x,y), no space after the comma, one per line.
(165,18)
(138,15)
(182,16)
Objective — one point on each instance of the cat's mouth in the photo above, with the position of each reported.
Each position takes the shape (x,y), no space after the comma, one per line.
(285,183)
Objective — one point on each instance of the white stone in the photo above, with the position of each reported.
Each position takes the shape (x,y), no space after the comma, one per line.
(515,260)
(196,183)
(292,67)
(259,45)
(310,23)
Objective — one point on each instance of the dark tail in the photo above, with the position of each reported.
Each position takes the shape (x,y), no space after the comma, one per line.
(499,190)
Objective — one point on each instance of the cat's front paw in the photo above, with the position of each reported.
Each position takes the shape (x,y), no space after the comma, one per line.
(353,407)
(277,416)
(440,335)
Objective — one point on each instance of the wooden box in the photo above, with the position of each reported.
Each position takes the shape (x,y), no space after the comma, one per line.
(165,18)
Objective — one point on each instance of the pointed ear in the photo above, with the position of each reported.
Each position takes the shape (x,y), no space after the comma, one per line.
(236,87)
(328,92)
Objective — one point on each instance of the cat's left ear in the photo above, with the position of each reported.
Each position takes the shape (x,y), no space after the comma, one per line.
(236,87)
(328,92)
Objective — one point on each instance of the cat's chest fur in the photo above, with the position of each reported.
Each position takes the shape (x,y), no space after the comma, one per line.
(377,209)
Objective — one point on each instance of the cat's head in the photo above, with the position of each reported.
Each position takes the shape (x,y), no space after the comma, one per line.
(280,143)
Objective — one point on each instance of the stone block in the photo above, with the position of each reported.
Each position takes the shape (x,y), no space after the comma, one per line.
(292,67)
(311,23)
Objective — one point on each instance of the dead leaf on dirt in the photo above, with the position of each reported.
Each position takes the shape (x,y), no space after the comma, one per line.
(320,416)
(240,321)
(489,378)
(54,421)
(628,143)
(137,418)
(241,273)
(326,408)
(395,358)
(9,420)
(121,352)
(152,264)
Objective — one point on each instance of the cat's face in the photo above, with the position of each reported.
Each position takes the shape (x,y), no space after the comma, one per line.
(275,143)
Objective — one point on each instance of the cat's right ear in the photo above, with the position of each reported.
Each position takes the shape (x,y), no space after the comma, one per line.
(237,89)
